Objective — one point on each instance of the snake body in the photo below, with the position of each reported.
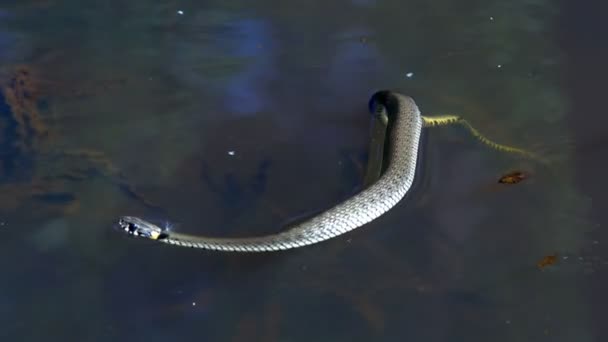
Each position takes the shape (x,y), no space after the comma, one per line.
(403,123)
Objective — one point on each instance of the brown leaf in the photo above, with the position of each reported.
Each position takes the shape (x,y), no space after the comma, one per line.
(547,260)
(513,177)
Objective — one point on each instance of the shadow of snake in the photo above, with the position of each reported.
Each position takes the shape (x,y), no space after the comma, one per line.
(237,196)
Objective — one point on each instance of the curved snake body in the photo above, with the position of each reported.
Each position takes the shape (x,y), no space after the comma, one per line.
(402,118)
(388,180)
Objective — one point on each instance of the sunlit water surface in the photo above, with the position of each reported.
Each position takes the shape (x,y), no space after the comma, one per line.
(234,119)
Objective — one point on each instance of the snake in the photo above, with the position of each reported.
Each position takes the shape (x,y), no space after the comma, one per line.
(401,124)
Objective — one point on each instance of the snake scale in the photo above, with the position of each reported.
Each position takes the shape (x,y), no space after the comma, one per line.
(402,124)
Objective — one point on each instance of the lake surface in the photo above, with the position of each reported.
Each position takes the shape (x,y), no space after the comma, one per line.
(233,119)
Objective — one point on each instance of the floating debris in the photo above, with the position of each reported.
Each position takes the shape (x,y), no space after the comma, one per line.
(547,260)
(180,12)
(231,153)
(409,75)
(513,177)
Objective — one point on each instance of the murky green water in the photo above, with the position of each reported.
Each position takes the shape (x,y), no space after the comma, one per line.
(233,119)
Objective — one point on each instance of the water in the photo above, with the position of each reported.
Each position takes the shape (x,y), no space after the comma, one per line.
(235,119)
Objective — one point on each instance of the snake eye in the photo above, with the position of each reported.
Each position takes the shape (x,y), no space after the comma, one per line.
(131,227)
(128,227)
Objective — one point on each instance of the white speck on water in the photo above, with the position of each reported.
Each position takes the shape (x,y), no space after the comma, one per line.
(193,303)
(409,75)
(231,153)
(180,12)
(499,66)
(491,18)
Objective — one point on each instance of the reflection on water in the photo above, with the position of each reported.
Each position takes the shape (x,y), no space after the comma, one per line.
(233,119)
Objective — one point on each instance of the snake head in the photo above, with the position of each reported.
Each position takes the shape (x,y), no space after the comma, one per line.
(139,228)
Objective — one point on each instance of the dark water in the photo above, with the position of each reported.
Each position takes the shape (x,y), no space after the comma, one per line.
(234,119)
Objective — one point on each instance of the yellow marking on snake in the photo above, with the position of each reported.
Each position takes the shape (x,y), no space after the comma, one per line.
(444,120)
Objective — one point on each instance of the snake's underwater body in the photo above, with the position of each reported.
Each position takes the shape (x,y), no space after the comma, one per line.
(401,122)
